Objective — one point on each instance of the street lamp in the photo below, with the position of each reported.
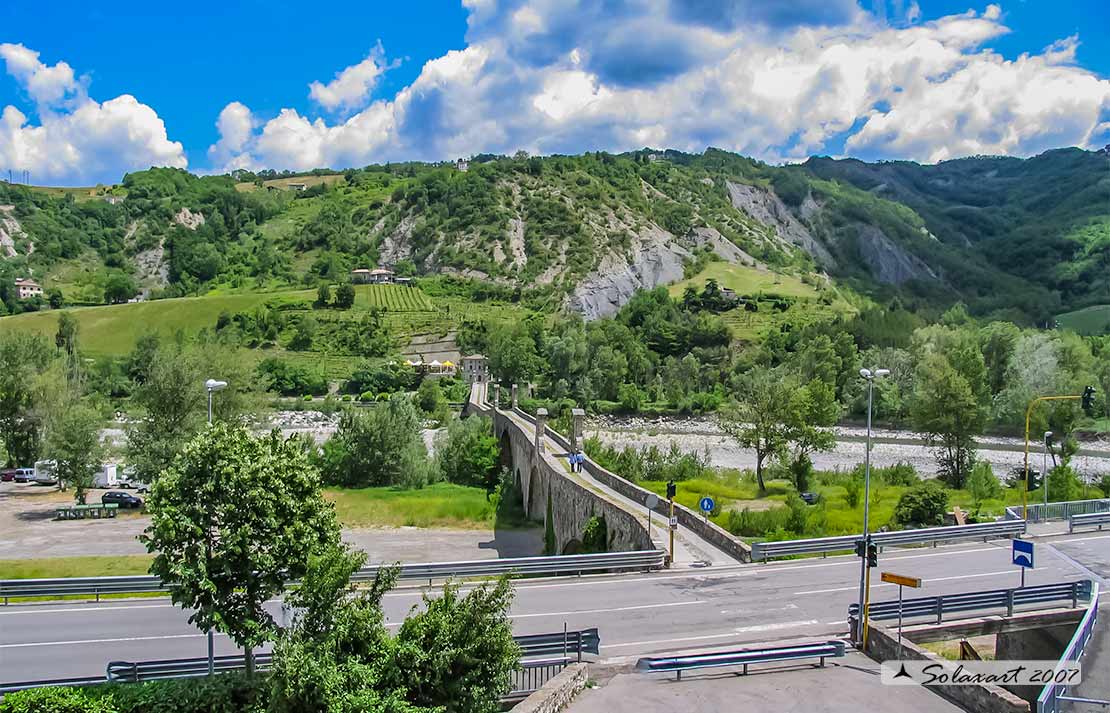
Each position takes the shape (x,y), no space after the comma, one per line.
(1044,468)
(865,572)
(212,386)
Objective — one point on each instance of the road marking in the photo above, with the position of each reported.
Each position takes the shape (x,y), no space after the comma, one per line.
(603,611)
(107,641)
(734,632)
(1081,539)
(931,579)
(86,610)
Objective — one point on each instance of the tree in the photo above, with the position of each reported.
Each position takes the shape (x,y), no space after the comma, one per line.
(946,410)
(233,519)
(458,654)
(305,333)
(55,298)
(66,336)
(468,453)
(345,296)
(119,288)
(983,484)
(173,402)
(757,418)
(512,354)
(323,295)
(378,447)
(923,505)
(429,397)
(24,385)
(73,443)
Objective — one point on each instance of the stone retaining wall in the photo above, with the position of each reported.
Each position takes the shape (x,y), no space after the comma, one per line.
(556,694)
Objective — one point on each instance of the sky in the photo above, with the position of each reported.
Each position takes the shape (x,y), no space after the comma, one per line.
(90,91)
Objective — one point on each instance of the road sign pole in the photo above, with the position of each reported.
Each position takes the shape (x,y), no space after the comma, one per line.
(672,528)
(899,621)
(1022,577)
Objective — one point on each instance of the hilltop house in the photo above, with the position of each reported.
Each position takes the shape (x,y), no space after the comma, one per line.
(26,288)
(462,165)
(475,369)
(378,276)
(298,187)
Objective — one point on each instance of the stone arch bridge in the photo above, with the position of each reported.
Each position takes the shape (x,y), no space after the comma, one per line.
(551,493)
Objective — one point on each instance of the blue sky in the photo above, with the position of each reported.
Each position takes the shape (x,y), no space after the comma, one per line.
(224,85)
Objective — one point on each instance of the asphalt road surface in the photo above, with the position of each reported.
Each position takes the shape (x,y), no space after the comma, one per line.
(637,613)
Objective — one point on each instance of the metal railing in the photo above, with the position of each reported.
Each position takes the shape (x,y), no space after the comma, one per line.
(560,649)
(743,657)
(1094,518)
(762,551)
(564,564)
(1051,695)
(1008,599)
(1039,512)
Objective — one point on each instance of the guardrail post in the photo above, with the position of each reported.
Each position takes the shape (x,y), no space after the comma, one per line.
(578,635)
(1074,595)
(1009,602)
(940,609)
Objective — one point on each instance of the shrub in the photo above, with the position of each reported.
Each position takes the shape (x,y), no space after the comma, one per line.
(900,473)
(308,397)
(468,452)
(1064,484)
(54,700)
(595,535)
(924,505)
(223,693)
(853,489)
(367,396)
(290,379)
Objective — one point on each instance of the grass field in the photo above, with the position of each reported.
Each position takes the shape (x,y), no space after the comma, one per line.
(744,280)
(308,181)
(1089,320)
(439,505)
(93,566)
(392,298)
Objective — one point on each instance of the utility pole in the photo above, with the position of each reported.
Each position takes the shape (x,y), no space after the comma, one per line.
(865,571)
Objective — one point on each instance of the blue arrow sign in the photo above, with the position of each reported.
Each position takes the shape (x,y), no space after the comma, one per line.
(707,504)
(1023,553)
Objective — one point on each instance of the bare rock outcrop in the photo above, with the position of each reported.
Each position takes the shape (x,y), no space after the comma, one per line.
(888,261)
(397,245)
(188,219)
(767,208)
(10,231)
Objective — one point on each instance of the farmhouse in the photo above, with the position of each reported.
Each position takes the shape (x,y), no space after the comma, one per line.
(378,276)
(475,369)
(26,288)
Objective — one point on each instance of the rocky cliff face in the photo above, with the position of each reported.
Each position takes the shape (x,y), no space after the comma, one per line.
(10,232)
(889,262)
(188,219)
(767,208)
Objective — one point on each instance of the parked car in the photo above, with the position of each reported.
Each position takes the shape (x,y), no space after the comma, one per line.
(7,476)
(24,475)
(124,500)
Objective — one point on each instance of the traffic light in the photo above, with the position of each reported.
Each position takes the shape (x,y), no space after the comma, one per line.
(1088,400)
(861,548)
(872,555)
(672,490)
(1033,480)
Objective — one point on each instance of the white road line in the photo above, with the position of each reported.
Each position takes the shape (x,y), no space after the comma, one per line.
(604,611)
(106,641)
(87,610)
(1080,539)
(886,584)
(734,632)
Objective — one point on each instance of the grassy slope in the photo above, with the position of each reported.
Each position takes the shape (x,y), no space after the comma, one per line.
(93,566)
(751,281)
(1090,320)
(439,505)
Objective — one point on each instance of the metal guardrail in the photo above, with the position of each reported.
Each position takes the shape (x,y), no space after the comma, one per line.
(1051,695)
(743,657)
(763,551)
(1094,518)
(564,564)
(937,607)
(1064,510)
(560,648)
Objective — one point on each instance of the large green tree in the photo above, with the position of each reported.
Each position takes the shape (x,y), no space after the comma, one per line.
(173,403)
(468,452)
(73,443)
(947,411)
(233,519)
(24,406)
(382,446)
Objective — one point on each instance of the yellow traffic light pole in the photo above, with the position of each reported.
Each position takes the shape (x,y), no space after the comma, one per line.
(1044,476)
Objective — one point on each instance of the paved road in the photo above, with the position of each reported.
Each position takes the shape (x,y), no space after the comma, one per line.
(637,613)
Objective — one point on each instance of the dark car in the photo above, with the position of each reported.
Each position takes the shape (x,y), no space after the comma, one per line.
(124,500)
(7,476)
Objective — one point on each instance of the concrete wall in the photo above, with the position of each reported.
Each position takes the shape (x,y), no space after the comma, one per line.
(882,645)
(1042,644)
(556,694)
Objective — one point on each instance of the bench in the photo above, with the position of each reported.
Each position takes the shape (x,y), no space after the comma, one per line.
(1094,518)
(743,657)
(83,512)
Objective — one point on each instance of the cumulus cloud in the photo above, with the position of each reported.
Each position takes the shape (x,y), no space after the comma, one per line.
(77,139)
(352,86)
(556,76)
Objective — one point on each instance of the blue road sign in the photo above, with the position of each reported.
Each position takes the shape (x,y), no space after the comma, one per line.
(1023,553)
(707,504)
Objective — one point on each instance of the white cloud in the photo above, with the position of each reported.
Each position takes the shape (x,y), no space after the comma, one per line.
(77,140)
(546,76)
(352,86)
